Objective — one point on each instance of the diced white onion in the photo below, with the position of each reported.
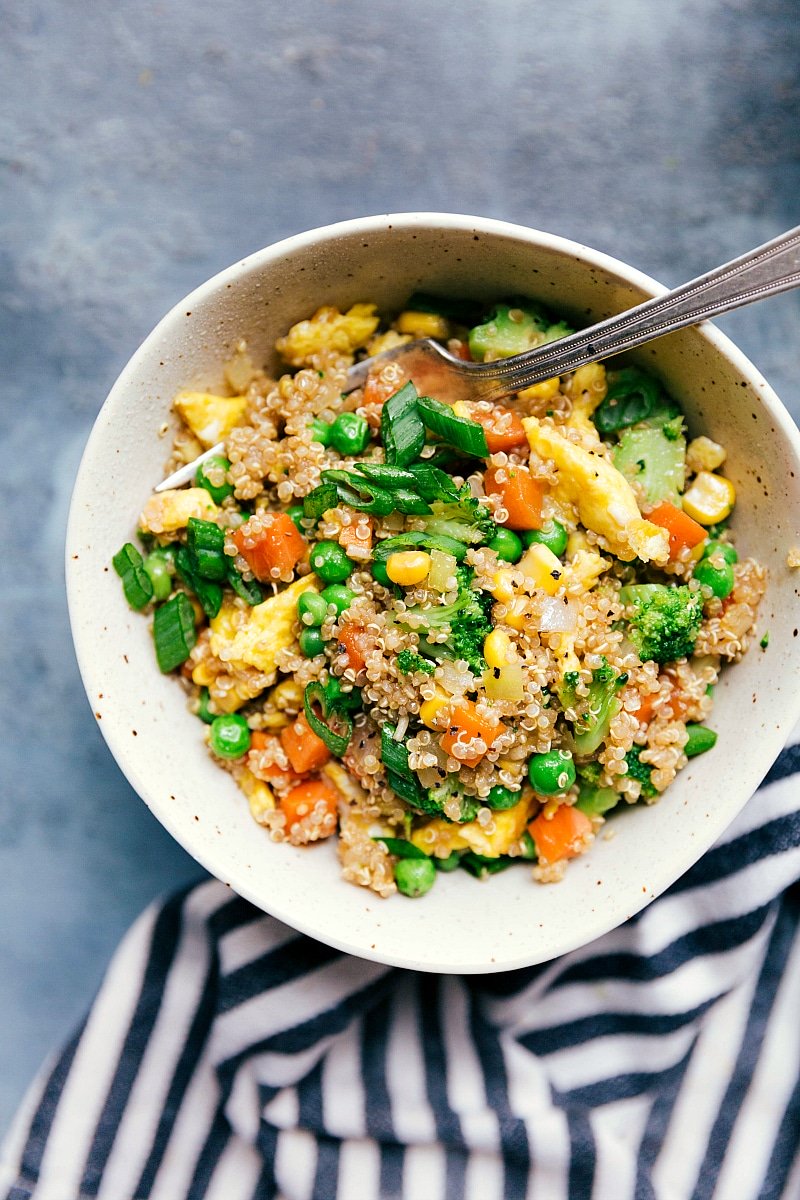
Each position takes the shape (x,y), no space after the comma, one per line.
(556,616)
(456,680)
(442,572)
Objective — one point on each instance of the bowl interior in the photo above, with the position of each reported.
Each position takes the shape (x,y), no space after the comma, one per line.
(462,925)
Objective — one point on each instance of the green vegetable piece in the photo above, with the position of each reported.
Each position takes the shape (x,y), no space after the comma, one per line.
(662,621)
(330,562)
(311,641)
(206,545)
(297,512)
(207,591)
(159,567)
(409,789)
(349,434)
(451,863)
(646,455)
(764,641)
(433,483)
(136,582)
(401,848)
(552,773)
(402,430)
(359,493)
(320,431)
(318,502)
(719,577)
(528,847)
(507,545)
(467,436)
(553,535)
(595,711)
(714,548)
(513,329)
(339,700)
(594,801)
(174,632)
(311,609)
(215,466)
(632,396)
(247,589)
(414,876)
(466,622)
(339,596)
(229,736)
(699,740)
(386,476)
(408,663)
(640,771)
(500,798)
(394,753)
(203,708)
(380,574)
(481,866)
(336,739)
(420,541)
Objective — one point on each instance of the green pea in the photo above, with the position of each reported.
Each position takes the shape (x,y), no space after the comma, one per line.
(553,535)
(311,641)
(336,697)
(311,609)
(329,561)
(720,579)
(451,863)
(414,876)
(229,736)
(507,545)
(159,568)
(552,773)
(217,491)
(338,595)
(727,551)
(380,574)
(320,431)
(203,711)
(296,514)
(349,434)
(502,797)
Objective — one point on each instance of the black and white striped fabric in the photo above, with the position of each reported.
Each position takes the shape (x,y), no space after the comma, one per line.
(228,1058)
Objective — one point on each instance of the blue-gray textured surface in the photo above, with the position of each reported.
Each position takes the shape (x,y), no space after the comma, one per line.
(146,145)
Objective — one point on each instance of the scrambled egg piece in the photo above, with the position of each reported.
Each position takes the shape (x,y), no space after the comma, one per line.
(210,418)
(509,826)
(259,794)
(329,329)
(266,629)
(167,511)
(602,496)
(587,388)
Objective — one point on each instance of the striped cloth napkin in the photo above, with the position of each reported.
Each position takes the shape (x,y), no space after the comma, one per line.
(228,1058)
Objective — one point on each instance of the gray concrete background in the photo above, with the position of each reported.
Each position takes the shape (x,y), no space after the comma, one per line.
(144,146)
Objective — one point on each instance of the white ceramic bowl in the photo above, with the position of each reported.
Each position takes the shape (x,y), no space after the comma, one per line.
(462,925)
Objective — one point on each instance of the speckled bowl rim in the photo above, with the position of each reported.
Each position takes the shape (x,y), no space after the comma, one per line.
(91,669)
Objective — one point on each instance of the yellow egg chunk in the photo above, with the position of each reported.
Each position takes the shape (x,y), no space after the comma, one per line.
(165,512)
(601,494)
(259,794)
(210,418)
(267,628)
(329,329)
(508,828)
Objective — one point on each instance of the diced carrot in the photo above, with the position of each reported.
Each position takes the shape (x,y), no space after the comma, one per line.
(259,739)
(644,713)
(305,751)
(675,707)
(684,533)
(461,350)
(263,766)
(276,544)
(520,494)
(358,535)
(304,799)
(465,724)
(503,428)
(562,835)
(357,644)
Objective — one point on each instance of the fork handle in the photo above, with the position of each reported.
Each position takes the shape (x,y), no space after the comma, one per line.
(765,271)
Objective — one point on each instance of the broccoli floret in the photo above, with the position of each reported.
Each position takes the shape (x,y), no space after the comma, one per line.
(641,772)
(448,788)
(512,329)
(467,621)
(408,662)
(463,518)
(595,711)
(662,621)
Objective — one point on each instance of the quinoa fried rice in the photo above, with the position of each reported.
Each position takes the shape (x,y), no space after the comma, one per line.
(565,662)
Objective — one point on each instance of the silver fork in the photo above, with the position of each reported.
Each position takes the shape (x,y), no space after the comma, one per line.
(771,268)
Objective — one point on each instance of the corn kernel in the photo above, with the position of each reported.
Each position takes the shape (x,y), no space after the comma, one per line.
(542,567)
(709,499)
(460,409)
(588,386)
(545,390)
(422,324)
(497,649)
(429,709)
(702,454)
(502,586)
(408,567)
(517,614)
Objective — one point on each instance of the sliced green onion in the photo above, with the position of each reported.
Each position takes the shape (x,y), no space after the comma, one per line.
(337,743)
(208,593)
(432,483)
(159,567)
(401,848)
(136,583)
(402,430)
(451,863)
(174,632)
(408,788)
(528,847)
(410,503)
(249,590)
(394,754)
(387,476)
(481,866)
(359,493)
(320,500)
(203,710)
(700,739)
(460,432)
(411,541)
(206,544)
